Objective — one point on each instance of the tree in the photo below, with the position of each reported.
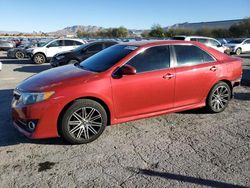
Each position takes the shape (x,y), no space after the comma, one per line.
(204,32)
(220,33)
(145,34)
(174,32)
(240,30)
(156,31)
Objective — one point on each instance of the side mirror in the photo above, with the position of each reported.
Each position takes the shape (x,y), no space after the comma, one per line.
(128,70)
(124,70)
(219,45)
(48,46)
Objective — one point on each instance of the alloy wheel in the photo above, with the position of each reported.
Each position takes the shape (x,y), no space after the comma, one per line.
(220,98)
(85,123)
(39,59)
(19,55)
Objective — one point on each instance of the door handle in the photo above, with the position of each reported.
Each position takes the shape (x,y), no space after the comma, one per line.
(168,76)
(213,68)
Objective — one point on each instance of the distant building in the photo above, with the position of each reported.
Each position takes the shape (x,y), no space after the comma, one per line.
(226,24)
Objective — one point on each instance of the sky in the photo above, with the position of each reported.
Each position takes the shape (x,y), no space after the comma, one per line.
(52,15)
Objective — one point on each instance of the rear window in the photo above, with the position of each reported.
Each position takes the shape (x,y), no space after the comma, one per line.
(107,58)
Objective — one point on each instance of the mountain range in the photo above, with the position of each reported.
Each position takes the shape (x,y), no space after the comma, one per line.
(72,30)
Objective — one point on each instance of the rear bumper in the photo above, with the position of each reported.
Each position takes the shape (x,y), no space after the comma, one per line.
(236,82)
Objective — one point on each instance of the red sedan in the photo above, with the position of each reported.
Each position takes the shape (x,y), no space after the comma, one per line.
(122,83)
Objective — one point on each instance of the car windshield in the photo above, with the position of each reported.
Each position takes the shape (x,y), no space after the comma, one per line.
(42,44)
(80,47)
(236,41)
(107,58)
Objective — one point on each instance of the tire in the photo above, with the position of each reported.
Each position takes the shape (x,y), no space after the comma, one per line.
(75,126)
(73,61)
(238,51)
(19,55)
(218,98)
(39,58)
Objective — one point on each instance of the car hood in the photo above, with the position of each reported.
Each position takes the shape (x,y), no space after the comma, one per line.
(231,45)
(53,78)
(63,53)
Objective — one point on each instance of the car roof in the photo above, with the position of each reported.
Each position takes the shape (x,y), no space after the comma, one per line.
(103,41)
(200,37)
(144,44)
(156,42)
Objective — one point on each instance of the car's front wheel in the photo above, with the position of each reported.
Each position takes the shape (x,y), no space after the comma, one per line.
(83,122)
(39,58)
(19,55)
(238,51)
(219,97)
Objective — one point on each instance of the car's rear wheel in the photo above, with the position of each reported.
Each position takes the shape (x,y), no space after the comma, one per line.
(19,55)
(219,97)
(39,58)
(83,122)
(238,51)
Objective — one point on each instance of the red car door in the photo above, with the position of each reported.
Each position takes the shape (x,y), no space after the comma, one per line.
(150,90)
(196,71)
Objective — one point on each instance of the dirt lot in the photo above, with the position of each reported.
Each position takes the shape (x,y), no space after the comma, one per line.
(188,149)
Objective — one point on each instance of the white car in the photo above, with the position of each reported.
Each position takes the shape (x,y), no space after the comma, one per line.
(46,51)
(239,46)
(211,42)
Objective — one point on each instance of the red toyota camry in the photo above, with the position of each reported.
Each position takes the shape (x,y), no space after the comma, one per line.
(122,83)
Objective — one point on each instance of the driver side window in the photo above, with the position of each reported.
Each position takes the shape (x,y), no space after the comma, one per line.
(56,43)
(154,58)
(214,42)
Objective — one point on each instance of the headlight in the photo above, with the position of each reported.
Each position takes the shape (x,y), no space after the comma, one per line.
(30,98)
(60,57)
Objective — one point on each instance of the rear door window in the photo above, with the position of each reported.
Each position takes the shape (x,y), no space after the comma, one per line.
(69,43)
(190,55)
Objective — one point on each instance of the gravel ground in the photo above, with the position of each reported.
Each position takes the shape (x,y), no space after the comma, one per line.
(188,149)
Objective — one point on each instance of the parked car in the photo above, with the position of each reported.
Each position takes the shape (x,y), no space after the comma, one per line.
(20,52)
(239,46)
(81,53)
(125,82)
(6,45)
(46,51)
(211,42)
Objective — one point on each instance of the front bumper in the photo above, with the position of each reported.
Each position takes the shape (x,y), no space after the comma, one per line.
(56,63)
(230,50)
(10,54)
(43,114)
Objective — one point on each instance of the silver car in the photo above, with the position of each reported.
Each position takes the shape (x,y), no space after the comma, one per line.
(239,46)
